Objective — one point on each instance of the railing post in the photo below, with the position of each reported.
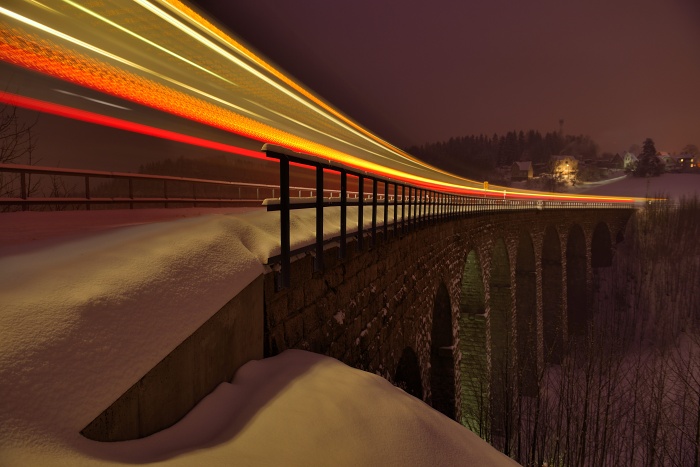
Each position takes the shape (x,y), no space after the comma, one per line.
(403,213)
(374,212)
(396,205)
(420,208)
(408,213)
(343,212)
(436,207)
(360,210)
(87,192)
(386,211)
(165,192)
(131,193)
(318,264)
(284,221)
(23,189)
(431,207)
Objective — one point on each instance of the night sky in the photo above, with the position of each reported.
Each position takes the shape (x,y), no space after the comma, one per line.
(415,71)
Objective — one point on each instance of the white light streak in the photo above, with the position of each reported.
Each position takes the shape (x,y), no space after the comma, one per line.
(78,42)
(91,99)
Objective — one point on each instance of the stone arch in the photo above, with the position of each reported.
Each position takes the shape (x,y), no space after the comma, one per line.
(576,295)
(472,346)
(526,315)
(472,289)
(601,246)
(408,374)
(552,296)
(499,326)
(442,371)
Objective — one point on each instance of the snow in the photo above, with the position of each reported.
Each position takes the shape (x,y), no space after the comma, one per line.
(90,301)
(673,186)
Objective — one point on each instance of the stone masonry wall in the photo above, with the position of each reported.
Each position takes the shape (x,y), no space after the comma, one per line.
(367,309)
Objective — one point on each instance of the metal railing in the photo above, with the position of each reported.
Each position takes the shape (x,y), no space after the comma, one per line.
(194,194)
(419,206)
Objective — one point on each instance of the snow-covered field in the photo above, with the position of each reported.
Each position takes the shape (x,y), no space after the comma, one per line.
(90,301)
(671,185)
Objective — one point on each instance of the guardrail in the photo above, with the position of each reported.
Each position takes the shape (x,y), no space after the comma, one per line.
(25,199)
(419,206)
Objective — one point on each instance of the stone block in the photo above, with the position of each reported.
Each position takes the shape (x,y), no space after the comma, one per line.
(295,299)
(314,289)
(294,330)
(301,270)
(277,310)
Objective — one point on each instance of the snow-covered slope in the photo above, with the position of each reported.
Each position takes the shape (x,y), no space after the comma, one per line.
(671,185)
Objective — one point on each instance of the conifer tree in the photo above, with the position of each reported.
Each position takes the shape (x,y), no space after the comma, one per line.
(648,164)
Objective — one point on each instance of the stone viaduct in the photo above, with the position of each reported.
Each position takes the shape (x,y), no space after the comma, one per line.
(448,312)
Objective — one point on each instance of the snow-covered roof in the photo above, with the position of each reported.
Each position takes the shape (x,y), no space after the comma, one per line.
(524,166)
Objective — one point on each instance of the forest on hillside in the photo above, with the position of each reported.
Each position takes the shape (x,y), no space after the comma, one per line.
(477,156)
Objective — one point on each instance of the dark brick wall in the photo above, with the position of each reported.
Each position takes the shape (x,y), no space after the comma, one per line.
(367,309)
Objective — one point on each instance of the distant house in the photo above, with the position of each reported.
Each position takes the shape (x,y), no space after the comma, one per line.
(670,162)
(685,162)
(616,162)
(565,167)
(521,170)
(629,161)
(538,168)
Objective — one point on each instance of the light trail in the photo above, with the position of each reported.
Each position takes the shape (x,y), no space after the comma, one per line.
(120,124)
(203,75)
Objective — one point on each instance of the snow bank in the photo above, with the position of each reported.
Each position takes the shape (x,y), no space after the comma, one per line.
(83,320)
(296,409)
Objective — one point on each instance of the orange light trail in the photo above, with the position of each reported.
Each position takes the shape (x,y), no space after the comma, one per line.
(37,55)
(85,58)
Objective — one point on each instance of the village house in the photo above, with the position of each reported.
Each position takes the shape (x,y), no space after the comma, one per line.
(564,167)
(670,163)
(616,162)
(629,161)
(521,170)
(685,162)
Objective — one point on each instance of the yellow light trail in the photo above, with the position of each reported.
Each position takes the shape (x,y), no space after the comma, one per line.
(105,60)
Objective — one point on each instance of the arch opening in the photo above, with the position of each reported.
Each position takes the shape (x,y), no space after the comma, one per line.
(472,346)
(552,310)
(442,371)
(576,295)
(472,290)
(501,344)
(601,247)
(526,316)
(408,374)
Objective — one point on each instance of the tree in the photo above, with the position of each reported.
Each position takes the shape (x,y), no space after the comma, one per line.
(17,143)
(690,150)
(648,164)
